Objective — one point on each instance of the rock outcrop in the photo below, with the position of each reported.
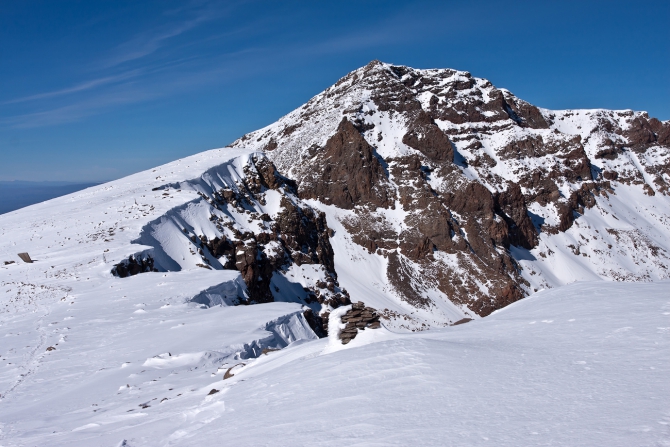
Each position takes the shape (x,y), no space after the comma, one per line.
(134,265)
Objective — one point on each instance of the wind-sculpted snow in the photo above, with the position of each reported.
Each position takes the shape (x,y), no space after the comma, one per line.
(581,365)
(73,294)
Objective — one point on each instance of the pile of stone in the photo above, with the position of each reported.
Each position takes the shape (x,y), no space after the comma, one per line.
(358,317)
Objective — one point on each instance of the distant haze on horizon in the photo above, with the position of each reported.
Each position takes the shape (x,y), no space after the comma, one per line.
(94,91)
(18,194)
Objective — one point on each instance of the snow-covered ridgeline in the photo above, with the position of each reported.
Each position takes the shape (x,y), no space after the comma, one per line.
(68,298)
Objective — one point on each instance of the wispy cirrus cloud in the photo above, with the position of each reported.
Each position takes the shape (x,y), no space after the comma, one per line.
(126,74)
(143,75)
(148,42)
(74,111)
(133,91)
(81,87)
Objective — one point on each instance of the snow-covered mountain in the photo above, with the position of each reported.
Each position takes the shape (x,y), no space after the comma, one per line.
(465,198)
(396,201)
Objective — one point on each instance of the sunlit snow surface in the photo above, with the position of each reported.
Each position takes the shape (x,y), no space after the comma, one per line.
(586,364)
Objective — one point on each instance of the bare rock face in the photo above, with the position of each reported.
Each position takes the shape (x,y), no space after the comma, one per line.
(134,265)
(426,137)
(451,199)
(511,206)
(450,183)
(305,234)
(296,235)
(264,248)
(346,172)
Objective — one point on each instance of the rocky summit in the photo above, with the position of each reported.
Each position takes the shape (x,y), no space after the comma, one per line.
(453,198)
(431,196)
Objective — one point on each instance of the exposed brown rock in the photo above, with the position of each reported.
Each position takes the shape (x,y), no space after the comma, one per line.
(609,153)
(462,321)
(269,176)
(228,374)
(610,175)
(452,217)
(525,114)
(511,205)
(640,134)
(543,189)
(305,233)
(506,296)
(424,136)
(349,173)
(578,201)
(359,317)
(318,325)
(25,257)
(134,265)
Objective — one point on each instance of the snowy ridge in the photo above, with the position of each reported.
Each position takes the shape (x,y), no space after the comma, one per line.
(65,314)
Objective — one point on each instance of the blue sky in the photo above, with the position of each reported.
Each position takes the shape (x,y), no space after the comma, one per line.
(95,90)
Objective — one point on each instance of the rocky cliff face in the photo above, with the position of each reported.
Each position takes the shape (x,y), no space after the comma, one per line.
(465,198)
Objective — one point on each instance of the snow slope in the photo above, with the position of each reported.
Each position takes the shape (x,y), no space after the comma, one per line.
(79,332)
(581,365)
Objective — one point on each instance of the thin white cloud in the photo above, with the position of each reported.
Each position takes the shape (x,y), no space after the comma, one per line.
(118,95)
(155,80)
(75,111)
(148,42)
(88,85)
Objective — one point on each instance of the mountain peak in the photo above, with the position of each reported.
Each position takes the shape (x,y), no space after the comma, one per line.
(473,174)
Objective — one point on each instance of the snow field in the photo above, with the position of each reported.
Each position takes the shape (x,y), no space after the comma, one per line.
(581,365)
